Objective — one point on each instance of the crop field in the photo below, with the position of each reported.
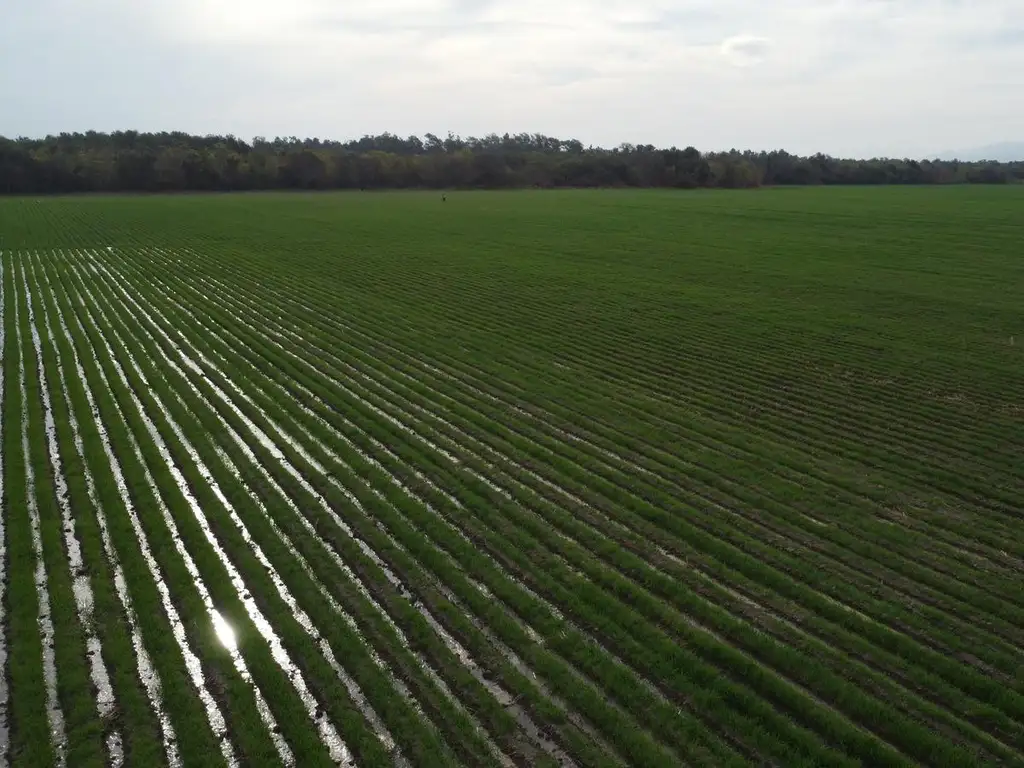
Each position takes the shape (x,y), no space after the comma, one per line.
(530,478)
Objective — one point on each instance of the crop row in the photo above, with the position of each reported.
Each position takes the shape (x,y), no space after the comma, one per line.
(953,669)
(247,522)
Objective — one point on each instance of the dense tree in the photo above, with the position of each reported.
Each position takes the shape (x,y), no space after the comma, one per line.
(130,161)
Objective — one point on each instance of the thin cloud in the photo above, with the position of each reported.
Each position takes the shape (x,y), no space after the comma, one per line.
(866,76)
(746,50)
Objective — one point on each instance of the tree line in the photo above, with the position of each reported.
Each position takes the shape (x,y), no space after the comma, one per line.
(130,161)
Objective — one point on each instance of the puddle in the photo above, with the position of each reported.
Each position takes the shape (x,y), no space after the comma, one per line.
(422,609)
(353,688)
(213,713)
(81,586)
(451,527)
(364,456)
(572,568)
(5,736)
(449,641)
(264,439)
(331,739)
(501,695)
(54,714)
(618,459)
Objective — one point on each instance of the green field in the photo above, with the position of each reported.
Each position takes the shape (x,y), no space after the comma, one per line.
(530,478)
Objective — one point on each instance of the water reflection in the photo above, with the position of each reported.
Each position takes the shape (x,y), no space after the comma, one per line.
(55,714)
(225,633)
(213,713)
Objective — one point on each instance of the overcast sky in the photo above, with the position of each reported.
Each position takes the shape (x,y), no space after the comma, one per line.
(847,77)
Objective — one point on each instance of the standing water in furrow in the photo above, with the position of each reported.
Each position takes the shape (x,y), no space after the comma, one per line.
(192,663)
(507,701)
(339,751)
(336,746)
(528,726)
(81,586)
(512,658)
(147,673)
(267,442)
(331,739)
(54,713)
(279,342)
(304,620)
(5,736)
(525,721)
(217,622)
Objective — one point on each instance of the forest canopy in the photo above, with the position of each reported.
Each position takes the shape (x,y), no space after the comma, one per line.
(130,161)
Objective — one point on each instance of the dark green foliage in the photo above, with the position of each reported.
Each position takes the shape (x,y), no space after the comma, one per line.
(130,161)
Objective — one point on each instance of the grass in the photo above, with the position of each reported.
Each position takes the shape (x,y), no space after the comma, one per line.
(624,477)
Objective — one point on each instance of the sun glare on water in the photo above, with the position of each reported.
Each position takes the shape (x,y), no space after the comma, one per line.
(225,633)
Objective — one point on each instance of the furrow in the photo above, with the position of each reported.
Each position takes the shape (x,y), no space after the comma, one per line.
(264,439)
(5,735)
(348,495)
(54,713)
(335,458)
(148,675)
(304,620)
(352,331)
(462,435)
(934,580)
(546,419)
(213,712)
(631,371)
(353,688)
(590,492)
(292,443)
(662,405)
(81,584)
(332,740)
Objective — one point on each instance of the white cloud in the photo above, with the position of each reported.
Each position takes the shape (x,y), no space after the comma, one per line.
(746,50)
(846,76)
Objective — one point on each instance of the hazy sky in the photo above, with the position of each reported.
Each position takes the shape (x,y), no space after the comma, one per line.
(850,77)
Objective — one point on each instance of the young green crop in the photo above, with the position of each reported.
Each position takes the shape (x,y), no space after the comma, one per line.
(608,477)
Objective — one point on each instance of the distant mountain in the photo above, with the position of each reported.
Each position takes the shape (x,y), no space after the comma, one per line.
(1004,152)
